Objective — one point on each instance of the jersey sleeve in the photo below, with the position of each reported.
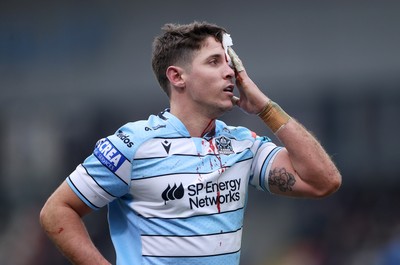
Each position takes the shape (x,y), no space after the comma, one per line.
(106,173)
(265,152)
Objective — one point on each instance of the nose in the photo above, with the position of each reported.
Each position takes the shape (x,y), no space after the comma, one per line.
(230,72)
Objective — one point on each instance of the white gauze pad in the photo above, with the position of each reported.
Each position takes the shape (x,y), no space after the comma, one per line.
(227,42)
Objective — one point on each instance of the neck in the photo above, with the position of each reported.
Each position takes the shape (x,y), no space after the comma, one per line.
(195,122)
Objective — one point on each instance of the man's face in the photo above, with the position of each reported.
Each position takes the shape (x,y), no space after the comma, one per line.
(209,80)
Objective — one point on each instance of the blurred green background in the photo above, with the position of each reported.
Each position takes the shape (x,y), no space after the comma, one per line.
(72,72)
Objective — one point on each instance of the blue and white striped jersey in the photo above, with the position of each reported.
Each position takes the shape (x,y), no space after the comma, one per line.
(172,198)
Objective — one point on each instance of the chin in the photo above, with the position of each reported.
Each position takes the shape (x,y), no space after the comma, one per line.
(226,109)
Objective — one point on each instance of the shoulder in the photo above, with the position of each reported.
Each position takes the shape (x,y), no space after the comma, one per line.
(134,133)
(130,136)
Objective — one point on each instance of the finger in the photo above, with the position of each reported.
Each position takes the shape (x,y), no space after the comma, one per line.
(237,63)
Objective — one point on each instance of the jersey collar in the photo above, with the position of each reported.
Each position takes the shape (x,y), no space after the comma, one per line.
(181,128)
(174,121)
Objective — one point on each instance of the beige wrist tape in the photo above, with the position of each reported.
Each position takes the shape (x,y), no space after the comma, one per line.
(274,116)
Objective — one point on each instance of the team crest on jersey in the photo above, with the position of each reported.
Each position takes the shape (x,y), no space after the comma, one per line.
(224,145)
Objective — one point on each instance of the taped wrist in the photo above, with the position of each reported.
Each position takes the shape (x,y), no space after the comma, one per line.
(274,116)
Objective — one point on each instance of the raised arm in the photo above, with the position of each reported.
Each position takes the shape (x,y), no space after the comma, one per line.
(302,168)
(61,219)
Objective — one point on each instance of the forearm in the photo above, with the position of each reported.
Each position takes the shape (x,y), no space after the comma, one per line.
(309,161)
(68,232)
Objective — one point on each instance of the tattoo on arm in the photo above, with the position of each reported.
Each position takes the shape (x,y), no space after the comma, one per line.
(281,178)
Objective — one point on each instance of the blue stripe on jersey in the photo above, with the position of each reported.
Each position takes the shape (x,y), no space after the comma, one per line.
(125,233)
(197,225)
(112,184)
(225,259)
(264,168)
(80,195)
(180,164)
(94,179)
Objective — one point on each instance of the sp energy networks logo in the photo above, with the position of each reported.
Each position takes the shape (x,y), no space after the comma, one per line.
(173,193)
(205,194)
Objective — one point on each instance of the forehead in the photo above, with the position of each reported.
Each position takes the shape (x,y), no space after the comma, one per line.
(210,47)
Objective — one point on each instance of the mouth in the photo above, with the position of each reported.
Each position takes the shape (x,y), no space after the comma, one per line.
(229,88)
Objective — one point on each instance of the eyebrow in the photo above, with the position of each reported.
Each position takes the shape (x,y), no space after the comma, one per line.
(215,55)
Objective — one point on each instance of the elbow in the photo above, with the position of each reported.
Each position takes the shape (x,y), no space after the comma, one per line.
(43,216)
(333,187)
(331,184)
(48,220)
(46,217)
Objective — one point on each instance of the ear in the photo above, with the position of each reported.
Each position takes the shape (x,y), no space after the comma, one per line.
(174,75)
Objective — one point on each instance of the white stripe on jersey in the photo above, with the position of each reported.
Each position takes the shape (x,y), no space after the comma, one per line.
(124,171)
(87,186)
(191,246)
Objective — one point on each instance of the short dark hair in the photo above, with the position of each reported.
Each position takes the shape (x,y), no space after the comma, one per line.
(177,45)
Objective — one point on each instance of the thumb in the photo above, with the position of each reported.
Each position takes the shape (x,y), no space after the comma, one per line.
(235,100)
